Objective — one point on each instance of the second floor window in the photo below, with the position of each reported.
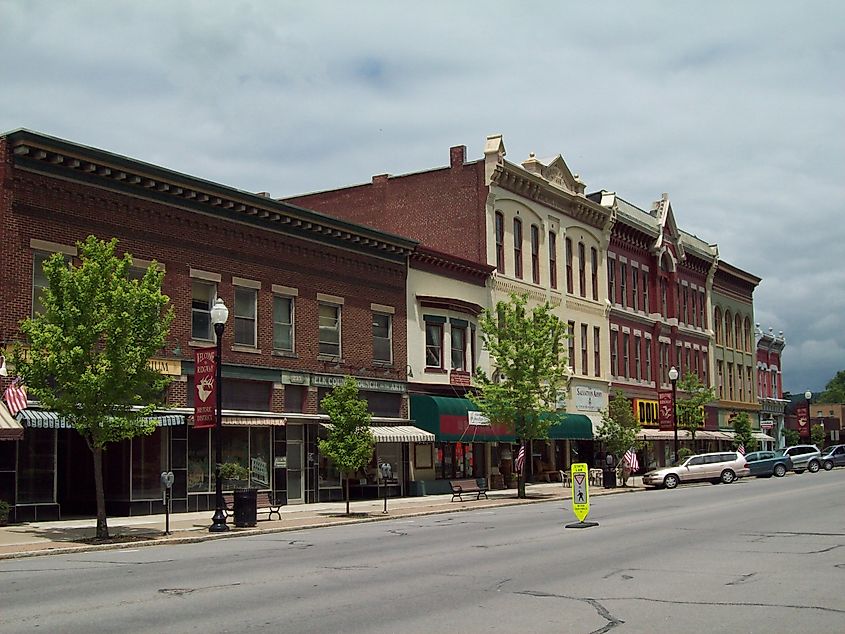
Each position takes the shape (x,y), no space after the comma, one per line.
(283,323)
(517,247)
(552,259)
(623,283)
(594,267)
(584,349)
(597,350)
(582,270)
(500,242)
(635,289)
(645,292)
(246,300)
(382,338)
(569,284)
(330,330)
(203,295)
(433,345)
(459,348)
(535,254)
(611,280)
(571,345)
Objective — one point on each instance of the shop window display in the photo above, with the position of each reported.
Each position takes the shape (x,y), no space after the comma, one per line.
(149,459)
(37,467)
(248,448)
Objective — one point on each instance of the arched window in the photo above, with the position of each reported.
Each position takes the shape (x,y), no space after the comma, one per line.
(749,342)
(717,321)
(500,242)
(517,247)
(729,328)
(740,344)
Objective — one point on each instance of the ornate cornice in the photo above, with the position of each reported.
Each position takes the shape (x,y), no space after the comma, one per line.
(89,166)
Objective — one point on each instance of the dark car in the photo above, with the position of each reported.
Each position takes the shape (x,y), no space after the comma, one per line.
(765,464)
(833,457)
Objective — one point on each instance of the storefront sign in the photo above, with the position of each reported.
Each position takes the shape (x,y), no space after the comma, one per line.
(280,462)
(368,385)
(169,367)
(666,418)
(645,411)
(589,399)
(803,414)
(294,378)
(459,378)
(205,384)
(477,418)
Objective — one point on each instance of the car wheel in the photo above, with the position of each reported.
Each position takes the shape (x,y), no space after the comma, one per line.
(828,465)
(728,476)
(780,470)
(670,481)
(813,466)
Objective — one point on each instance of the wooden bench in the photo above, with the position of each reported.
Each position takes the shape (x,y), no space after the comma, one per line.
(460,487)
(263,502)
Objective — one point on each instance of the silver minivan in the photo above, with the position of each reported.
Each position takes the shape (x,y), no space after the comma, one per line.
(722,466)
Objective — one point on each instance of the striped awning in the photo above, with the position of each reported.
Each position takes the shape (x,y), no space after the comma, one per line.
(10,429)
(253,421)
(51,420)
(397,433)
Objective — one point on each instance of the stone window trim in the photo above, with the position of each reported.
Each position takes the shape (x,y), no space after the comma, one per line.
(330,299)
(52,247)
(205,275)
(245,283)
(382,308)
(288,291)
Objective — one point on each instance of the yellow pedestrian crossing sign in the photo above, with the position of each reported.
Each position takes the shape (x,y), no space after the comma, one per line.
(580,491)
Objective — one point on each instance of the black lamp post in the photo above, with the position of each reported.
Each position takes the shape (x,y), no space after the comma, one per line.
(673,377)
(809,395)
(219,315)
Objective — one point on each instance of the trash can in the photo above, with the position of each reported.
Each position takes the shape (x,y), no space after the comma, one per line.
(608,479)
(246,507)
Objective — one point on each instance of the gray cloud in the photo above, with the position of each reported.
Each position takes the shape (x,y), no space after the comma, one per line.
(732,108)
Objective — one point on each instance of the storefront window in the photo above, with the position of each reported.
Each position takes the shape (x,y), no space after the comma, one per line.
(328,475)
(149,459)
(37,467)
(459,460)
(199,464)
(248,447)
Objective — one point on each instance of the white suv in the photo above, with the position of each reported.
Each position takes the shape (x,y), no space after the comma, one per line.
(804,457)
(723,466)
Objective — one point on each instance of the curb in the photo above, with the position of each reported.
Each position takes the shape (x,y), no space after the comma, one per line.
(164,540)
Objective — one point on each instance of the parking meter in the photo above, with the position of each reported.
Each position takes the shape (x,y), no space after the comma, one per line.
(386,474)
(166,490)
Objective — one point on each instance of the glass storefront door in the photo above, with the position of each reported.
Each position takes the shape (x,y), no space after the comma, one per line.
(295,451)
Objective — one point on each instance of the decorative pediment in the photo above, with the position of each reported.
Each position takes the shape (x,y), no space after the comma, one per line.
(669,233)
(555,172)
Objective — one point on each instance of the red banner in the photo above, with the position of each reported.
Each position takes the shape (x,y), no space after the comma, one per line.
(205,387)
(665,417)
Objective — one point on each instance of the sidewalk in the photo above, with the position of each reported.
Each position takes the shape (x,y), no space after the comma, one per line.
(45,538)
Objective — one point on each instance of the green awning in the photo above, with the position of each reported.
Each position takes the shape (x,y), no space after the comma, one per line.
(51,420)
(571,427)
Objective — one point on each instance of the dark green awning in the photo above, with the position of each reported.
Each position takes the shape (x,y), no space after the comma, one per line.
(571,427)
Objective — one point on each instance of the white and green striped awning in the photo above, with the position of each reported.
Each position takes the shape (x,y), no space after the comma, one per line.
(51,420)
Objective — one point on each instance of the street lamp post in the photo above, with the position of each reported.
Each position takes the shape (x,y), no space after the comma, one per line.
(673,377)
(219,315)
(809,395)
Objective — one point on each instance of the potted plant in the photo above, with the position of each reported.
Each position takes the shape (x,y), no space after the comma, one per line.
(234,472)
(5,509)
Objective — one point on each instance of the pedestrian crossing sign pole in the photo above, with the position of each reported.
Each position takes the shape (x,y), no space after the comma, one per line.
(581,495)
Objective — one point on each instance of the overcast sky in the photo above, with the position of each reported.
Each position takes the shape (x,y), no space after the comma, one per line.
(734,108)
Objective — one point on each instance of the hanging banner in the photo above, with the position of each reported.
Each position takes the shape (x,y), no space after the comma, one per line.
(666,410)
(205,387)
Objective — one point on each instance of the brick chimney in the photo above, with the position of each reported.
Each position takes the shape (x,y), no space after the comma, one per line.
(457,156)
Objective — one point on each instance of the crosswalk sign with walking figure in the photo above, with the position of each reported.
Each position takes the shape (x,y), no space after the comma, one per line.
(580,495)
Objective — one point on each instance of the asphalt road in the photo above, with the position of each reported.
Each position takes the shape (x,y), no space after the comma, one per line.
(754,556)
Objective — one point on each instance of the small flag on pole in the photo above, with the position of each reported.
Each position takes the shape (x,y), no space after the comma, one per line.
(520,459)
(15,397)
(741,449)
(631,458)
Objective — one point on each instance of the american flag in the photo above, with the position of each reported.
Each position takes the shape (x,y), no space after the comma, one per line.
(15,397)
(631,458)
(520,459)
(741,449)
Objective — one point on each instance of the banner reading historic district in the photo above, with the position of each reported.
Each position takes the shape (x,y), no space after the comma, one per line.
(665,407)
(205,388)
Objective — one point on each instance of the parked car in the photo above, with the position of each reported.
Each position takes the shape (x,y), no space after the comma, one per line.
(765,464)
(724,466)
(833,457)
(804,457)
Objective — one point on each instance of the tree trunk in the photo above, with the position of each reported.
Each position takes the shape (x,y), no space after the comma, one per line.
(347,494)
(102,526)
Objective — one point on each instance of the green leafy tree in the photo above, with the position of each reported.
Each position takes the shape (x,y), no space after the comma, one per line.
(619,427)
(350,443)
(834,391)
(529,367)
(791,437)
(693,395)
(818,435)
(90,349)
(742,432)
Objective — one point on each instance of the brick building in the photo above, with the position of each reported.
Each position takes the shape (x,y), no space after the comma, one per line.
(312,298)
(769,364)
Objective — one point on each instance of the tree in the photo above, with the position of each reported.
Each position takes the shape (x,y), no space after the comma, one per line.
(834,391)
(817,434)
(691,407)
(742,432)
(90,349)
(619,428)
(791,436)
(350,443)
(529,366)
